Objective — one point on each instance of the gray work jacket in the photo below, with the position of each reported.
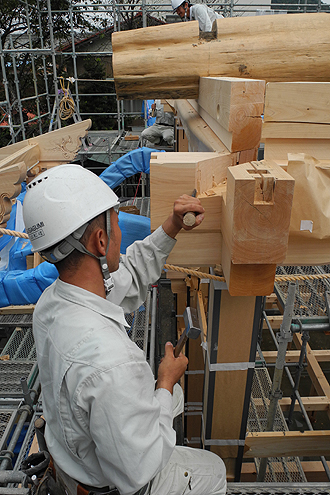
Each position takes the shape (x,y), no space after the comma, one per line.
(106,424)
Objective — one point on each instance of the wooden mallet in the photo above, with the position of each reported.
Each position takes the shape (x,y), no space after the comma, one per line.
(192,330)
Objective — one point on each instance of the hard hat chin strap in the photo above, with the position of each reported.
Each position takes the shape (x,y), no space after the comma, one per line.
(72,242)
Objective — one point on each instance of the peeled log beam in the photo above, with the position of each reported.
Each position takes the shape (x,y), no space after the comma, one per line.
(167,61)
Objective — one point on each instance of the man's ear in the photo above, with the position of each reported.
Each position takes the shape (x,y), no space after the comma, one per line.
(98,241)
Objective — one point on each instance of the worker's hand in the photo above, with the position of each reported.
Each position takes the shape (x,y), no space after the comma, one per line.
(171,368)
(183,205)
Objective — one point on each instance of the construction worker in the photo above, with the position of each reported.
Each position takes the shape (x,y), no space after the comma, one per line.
(199,12)
(108,427)
(163,128)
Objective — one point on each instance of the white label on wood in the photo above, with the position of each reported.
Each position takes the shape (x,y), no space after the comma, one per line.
(306,225)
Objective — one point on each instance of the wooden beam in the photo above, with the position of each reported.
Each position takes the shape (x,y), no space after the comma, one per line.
(232,108)
(167,61)
(321,355)
(174,174)
(200,136)
(256,213)
(294,130)
(297,102)
(29,154)
(5,151)
(62,145)
(287,443)
(296,120)
(255,226)
(278,149)
(13,170)
(248,279)
(310,404)
(203,137)
(275,322)
(230,320)
(314,471)
(315,371)
(55,147)
(8,310)
(195,249)
(11,177)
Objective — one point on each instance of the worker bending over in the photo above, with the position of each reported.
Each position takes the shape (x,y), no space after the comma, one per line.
(108,427)
(163,128)
(199,12)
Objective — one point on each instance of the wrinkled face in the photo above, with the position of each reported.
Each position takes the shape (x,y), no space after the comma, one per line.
(181,10)
(115,241)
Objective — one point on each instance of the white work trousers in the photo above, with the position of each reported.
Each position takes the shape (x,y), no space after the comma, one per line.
(156,132)
(191,472)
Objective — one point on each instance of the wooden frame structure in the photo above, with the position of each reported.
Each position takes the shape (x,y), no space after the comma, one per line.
(26,159)
(229,181)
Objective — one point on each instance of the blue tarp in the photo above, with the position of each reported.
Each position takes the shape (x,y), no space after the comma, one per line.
(21,286)
(25,286)
(150,120)
(132,163)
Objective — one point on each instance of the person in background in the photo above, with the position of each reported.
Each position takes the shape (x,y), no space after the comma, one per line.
(163,128)
(146,114)
(198,12)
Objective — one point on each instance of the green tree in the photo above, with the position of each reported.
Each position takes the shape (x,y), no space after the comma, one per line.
(102,103)
(25,24)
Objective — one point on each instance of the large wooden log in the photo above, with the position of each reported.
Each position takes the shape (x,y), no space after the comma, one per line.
(167,61)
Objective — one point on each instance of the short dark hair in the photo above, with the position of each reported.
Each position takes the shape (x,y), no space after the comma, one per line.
(71,262)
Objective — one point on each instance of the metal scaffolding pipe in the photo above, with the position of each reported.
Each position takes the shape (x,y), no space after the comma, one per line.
(305,339)
(12,477)
(310,327)
(298,397)
(284,338)
(50,24)
(153,329)
(7,457)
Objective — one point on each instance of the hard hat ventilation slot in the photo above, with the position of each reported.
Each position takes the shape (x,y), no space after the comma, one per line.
(34,183)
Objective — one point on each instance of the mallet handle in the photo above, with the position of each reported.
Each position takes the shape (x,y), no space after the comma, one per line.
(189,218)
(178,348)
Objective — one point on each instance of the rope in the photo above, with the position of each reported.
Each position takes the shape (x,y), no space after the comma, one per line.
(196,273)
(288,278)
(13,233)
(66,109)
(278,278)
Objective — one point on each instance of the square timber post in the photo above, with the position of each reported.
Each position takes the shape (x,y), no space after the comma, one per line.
(233,325)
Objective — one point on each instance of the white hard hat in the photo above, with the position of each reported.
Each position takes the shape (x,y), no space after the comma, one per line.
(176,4)
(60,201)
